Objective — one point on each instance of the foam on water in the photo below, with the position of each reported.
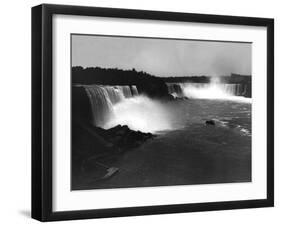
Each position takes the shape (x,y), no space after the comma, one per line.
(213,90)
(122,105)
(141,113)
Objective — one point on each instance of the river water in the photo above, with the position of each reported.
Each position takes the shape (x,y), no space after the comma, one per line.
(186,151)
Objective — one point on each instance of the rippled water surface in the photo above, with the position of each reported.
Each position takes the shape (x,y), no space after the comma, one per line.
(187,151)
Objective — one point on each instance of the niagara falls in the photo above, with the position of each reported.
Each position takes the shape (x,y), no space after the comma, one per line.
(122,105)
(144,123)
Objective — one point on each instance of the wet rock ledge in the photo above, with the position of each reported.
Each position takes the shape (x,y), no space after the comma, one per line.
(89,141)
(123,137)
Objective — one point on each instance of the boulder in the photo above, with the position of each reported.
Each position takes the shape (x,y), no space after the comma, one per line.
(124,138)
(210,122)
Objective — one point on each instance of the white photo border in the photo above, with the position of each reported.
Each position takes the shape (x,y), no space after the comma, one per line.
(64,199)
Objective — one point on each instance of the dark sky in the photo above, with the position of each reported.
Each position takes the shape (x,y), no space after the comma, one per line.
(162,57)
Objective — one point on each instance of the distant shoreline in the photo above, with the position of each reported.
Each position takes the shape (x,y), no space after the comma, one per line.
(146,83)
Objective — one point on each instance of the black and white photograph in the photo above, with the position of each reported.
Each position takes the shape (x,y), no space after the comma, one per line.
(149,111)
(145,112)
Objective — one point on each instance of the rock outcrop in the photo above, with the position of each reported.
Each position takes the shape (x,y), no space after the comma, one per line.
(210,122)
(89,141)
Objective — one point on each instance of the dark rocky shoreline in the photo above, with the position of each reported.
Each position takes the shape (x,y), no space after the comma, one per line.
(91,144)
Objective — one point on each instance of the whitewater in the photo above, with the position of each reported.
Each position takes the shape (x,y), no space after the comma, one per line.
(123,105)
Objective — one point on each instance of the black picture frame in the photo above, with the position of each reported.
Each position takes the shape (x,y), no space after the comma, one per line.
(42,107)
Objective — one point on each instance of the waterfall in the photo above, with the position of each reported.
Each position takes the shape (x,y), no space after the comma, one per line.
(134,91)
(175,89)
(213,90)
(103,98)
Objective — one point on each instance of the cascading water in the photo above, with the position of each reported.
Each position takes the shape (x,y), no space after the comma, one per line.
(175,89)
(142,113)
(134,91)
(122,105)
(103,98)
(114,105)
(212,90)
